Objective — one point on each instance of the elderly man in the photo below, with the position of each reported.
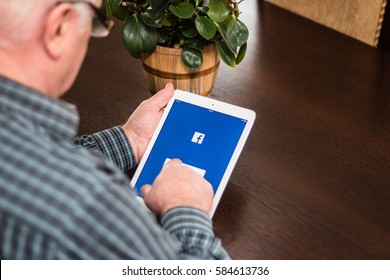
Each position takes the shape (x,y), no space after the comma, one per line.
(65,199)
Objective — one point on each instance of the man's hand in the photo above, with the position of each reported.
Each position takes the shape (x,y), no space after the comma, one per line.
(143,122)
(178,185)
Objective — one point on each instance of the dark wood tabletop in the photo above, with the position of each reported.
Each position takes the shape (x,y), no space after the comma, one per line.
(313,181)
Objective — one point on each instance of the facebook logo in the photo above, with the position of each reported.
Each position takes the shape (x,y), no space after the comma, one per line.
(198,138)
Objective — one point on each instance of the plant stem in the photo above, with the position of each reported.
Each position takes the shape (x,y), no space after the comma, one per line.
(132,5)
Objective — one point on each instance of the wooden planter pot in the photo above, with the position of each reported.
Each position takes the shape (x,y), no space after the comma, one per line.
(165,65)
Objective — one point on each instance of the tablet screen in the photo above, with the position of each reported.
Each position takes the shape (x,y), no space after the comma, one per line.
(201,138)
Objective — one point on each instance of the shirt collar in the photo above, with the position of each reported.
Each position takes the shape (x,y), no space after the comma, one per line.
(58,118)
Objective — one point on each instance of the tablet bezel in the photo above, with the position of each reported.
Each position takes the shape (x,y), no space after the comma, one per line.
(210,104)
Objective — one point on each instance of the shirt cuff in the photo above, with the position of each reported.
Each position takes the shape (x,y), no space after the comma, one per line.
(186,218)
(115,146)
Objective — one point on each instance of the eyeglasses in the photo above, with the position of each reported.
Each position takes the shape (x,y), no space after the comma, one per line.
(101,25)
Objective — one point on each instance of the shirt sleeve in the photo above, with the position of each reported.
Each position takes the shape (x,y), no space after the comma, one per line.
(111,144)
(193,229)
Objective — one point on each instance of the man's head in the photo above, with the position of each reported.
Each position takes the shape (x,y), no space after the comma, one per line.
(43,42)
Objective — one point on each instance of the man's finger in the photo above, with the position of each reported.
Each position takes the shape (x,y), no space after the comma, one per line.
(174,162)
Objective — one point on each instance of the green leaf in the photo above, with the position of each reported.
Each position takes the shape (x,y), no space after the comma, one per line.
(183,10)
(237,33)
(138,37)
(122,13)
(158,5)
(115,8)
(203,10)
(222,28)
(192,58)
(225,53)
(113,5)
(163,40)
(167,22)
(165,35)
(194,44)
(219,10)
(205,27)
(189,31)
(197,2)
(153,18)
(241,53)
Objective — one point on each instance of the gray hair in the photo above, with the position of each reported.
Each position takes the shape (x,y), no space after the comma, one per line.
(20,21)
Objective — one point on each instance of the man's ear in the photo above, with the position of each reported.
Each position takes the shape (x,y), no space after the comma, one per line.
(58,28)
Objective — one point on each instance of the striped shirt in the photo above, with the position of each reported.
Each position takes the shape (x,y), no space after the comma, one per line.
(68,199)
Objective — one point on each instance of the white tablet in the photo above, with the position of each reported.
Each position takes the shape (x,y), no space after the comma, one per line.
(205,134)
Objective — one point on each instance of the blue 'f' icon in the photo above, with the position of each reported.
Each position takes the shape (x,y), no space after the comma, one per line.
(198,138)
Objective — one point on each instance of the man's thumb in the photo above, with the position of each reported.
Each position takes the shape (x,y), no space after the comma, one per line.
(145,190)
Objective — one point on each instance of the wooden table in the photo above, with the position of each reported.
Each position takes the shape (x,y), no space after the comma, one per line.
(313,181)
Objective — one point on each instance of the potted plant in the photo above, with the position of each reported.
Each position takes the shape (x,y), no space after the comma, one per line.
(181,41)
